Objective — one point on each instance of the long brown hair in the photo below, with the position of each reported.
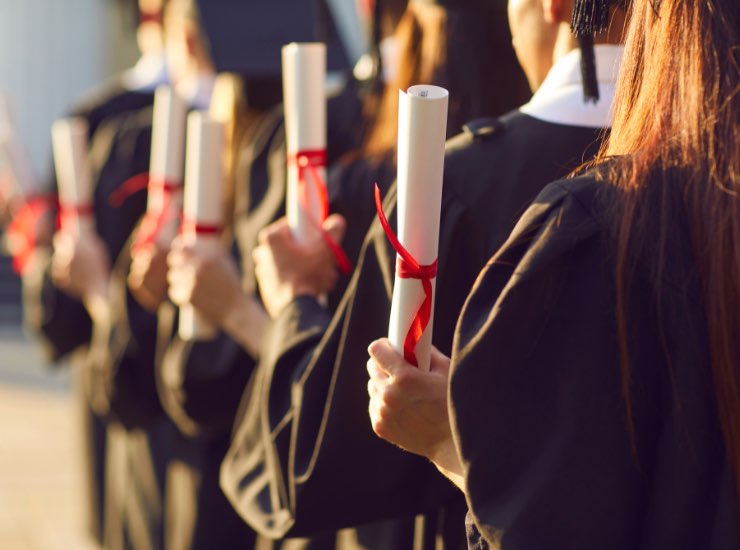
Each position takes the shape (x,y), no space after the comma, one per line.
(467,51)
(676,120)
(240,103)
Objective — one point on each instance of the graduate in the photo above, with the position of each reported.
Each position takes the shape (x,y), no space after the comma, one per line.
(335,472)
(60,322)
(201,382)
(84,301)
(593,386)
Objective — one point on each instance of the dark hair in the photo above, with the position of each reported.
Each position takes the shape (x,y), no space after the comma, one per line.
(676,120)
(467,51)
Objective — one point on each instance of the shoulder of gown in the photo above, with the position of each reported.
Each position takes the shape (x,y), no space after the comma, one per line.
(537,406)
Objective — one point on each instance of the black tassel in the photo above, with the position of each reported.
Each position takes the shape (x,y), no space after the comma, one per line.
(588,69)
(590,17)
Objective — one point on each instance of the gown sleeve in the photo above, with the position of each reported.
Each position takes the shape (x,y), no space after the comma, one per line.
(304,457)
(201,383)
(536,403)
(59,321)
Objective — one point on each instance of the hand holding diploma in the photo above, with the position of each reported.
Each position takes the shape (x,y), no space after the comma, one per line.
(80,263)
(80,266)
(31,212)
(202,206)
(206,279)
(307,203)
(286,268)
(408,406)
(209,281)
(148,272)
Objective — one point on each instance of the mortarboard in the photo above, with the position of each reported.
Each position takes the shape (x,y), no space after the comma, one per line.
(246,36)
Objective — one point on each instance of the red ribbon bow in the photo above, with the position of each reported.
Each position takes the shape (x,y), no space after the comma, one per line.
(68,213)
(311,161)
(22,229)
(152,222)
(407,267)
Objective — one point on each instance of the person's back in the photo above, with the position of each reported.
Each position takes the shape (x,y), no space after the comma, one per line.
(545,373)
(321,446)
(593,390)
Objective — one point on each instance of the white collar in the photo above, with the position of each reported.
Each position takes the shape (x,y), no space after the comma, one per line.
(559,99)
(149,72)
(197,92)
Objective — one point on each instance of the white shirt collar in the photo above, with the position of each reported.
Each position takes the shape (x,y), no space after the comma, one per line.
(197,92)
(560,98)
(148,73)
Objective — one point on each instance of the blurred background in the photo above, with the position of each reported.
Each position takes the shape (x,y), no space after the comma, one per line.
(64,47)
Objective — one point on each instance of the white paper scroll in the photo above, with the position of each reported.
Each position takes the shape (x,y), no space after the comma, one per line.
(422,127)
(164,199)
(15,156)
(69,141)
(202,204)
(304,100)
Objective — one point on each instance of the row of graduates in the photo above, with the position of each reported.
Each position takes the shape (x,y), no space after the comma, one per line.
(545,438)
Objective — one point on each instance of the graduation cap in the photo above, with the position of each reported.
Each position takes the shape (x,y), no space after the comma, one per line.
(245,36)
(591,17)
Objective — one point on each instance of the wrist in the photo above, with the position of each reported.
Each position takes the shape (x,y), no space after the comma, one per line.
(445,457)
(246,323)
(96,303)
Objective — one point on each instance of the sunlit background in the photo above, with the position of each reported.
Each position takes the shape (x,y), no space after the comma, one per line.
(51,51)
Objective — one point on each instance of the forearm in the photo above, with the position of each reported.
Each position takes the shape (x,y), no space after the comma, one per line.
(246,323)
(448,463)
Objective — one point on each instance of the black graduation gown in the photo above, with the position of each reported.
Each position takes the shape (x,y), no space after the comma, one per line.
(201,383)
(107,101)
(304,457)
(351,194)
(110,99)
(536,393)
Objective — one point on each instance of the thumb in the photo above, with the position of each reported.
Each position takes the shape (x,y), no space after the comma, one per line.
(387,359)
(336,226)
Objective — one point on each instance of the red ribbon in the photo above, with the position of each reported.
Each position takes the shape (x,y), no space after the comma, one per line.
(311,161)
(22,229)
(152,222)
(70,212)
(154,16)
(407,267)
(194,227)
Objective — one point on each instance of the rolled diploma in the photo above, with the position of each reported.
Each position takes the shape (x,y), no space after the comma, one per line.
(422,128)
(167,160)
(304,103)
(15,155)
(69,141)
(202,203)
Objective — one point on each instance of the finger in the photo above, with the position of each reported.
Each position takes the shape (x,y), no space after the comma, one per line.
(260,255)
(375,372)
(371,389)
(387,359)
(336,226)
(175,258)
(266,233)
(281,237)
